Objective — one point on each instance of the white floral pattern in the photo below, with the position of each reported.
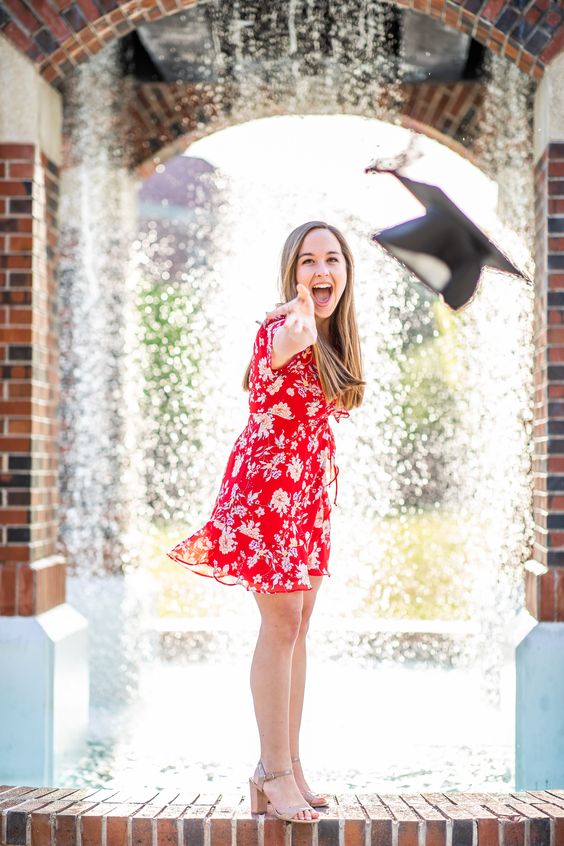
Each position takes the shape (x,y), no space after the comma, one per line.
(269,530)
(280,501)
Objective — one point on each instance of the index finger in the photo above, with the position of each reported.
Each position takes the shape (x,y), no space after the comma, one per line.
(305,299)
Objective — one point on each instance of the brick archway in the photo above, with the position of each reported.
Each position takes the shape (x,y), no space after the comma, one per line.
(448,113)
(164,122)
(81,31)
(57,42)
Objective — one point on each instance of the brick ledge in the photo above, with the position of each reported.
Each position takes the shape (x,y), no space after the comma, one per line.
(48,816)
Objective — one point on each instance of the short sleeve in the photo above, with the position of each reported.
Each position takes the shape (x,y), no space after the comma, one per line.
(270,331)
(267,333)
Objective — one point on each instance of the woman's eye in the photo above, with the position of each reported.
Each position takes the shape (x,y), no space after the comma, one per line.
(331,258)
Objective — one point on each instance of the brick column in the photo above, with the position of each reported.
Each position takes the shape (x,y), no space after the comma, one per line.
(540,655)
(32,574)
(44,641)
(545,590)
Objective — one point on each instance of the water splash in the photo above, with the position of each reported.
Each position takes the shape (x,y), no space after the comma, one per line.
(100,489)
(157,323)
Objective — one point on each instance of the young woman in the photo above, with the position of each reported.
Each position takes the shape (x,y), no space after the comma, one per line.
(269,530)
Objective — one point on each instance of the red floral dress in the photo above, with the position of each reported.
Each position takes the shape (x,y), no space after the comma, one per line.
(270,525)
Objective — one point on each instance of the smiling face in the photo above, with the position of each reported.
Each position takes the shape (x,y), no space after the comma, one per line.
(321,267)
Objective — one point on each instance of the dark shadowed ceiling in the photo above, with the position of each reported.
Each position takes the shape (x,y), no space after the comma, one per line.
(204,42)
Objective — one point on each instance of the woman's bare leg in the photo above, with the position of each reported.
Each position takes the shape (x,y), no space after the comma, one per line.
(298,678)
(281,615)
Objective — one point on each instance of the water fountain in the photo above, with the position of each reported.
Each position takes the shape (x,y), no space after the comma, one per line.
(436,527)
(417,463)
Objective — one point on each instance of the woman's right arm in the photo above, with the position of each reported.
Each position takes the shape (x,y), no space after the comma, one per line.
(297,332)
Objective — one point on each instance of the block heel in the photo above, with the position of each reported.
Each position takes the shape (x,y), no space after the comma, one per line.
(259,799)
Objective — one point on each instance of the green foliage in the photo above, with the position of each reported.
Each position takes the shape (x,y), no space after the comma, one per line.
(173,355)
(421,572)
(426,401)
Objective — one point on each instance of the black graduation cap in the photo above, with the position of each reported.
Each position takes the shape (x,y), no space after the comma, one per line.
(443,248)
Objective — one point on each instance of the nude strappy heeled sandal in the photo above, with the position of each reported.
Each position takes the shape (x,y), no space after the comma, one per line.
(259,799)
(310,797)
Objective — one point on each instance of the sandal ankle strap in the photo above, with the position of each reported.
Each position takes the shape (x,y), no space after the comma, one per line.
(269,776)
(275,773)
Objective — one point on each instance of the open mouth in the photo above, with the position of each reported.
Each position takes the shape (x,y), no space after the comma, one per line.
(322,293)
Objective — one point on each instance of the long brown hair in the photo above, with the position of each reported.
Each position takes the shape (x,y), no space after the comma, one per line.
(339,361)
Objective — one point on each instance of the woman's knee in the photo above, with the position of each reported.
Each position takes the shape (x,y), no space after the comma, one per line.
(285,627)
(304,624)
(308,605)
(281,619)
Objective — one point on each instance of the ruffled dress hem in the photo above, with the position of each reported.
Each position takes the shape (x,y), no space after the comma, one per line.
(210,572)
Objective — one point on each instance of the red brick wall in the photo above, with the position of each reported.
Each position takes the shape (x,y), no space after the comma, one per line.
(545,593)
(31,572)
